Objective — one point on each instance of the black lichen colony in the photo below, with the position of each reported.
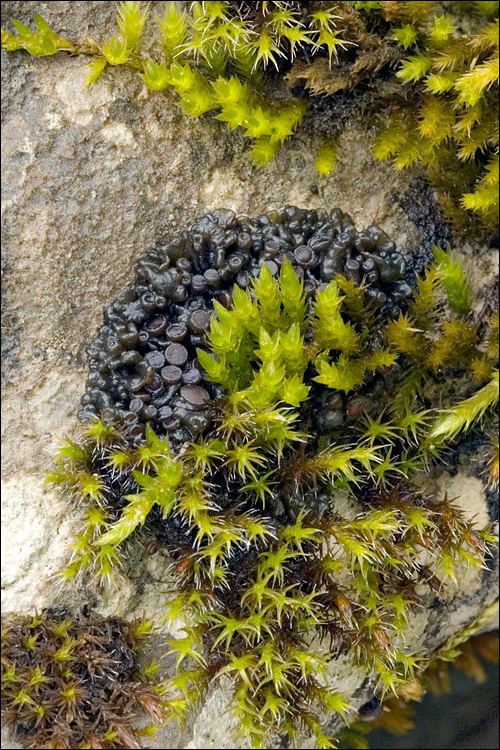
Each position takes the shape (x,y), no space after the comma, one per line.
(143,365)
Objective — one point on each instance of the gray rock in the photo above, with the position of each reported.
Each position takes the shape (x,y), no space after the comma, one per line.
(91,180)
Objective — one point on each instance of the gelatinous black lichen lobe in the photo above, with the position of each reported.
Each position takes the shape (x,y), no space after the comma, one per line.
(143,365)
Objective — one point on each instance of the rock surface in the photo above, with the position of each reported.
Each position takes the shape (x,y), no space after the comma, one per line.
(91,180)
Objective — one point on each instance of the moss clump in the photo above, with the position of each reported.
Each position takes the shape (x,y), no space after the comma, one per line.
(297,513)
(77,682)
(429,78)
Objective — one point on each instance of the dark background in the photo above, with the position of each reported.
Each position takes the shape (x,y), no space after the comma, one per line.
(466,718)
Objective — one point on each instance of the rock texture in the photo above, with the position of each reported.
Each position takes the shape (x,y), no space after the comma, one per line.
(91,180)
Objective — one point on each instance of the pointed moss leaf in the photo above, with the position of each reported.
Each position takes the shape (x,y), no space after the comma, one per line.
(198,101)
(335,334)
(441,30)
(270,346)
(11,42)
(403,335)
(157,443)
(244,460)
(101,433)
(485,198)
(342,375)
(182,77)
(440,83)
(42,25)
(379,359)
(472,85)
(280,125)
(436,120)
(327,300)
(115,50)
(226,317)
(292,293)
(226,331)
(424,308)
(299,533)
(324,18)
(74,452)
(294,391)
(45,42)
(96,68)
(291,284)
(263,151)
(292,349)
(353,297)
(327,157)
(204,453)
(379,522)
(258,123)
(332,41)
(266,50)
(389,140)
(414,68)
(213,368)
(235,115)
(266,290)
(336,702)
(245,309)
(266,384)
(144,480)
(341,461)
(173,28)
(331,330)
(406,35)
(49,38)
(454,344)
(21,28)
(230,90)
(169,475)
(296,38)
(323,741)
(155,76)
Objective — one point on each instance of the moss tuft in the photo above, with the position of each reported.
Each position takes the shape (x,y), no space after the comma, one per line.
(77,682)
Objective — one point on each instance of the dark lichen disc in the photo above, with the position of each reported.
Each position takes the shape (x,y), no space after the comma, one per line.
(143,365)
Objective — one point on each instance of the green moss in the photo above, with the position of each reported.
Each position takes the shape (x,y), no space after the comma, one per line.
(439,108)
(270,562)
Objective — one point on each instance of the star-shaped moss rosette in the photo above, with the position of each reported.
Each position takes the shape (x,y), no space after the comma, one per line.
(286,481)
